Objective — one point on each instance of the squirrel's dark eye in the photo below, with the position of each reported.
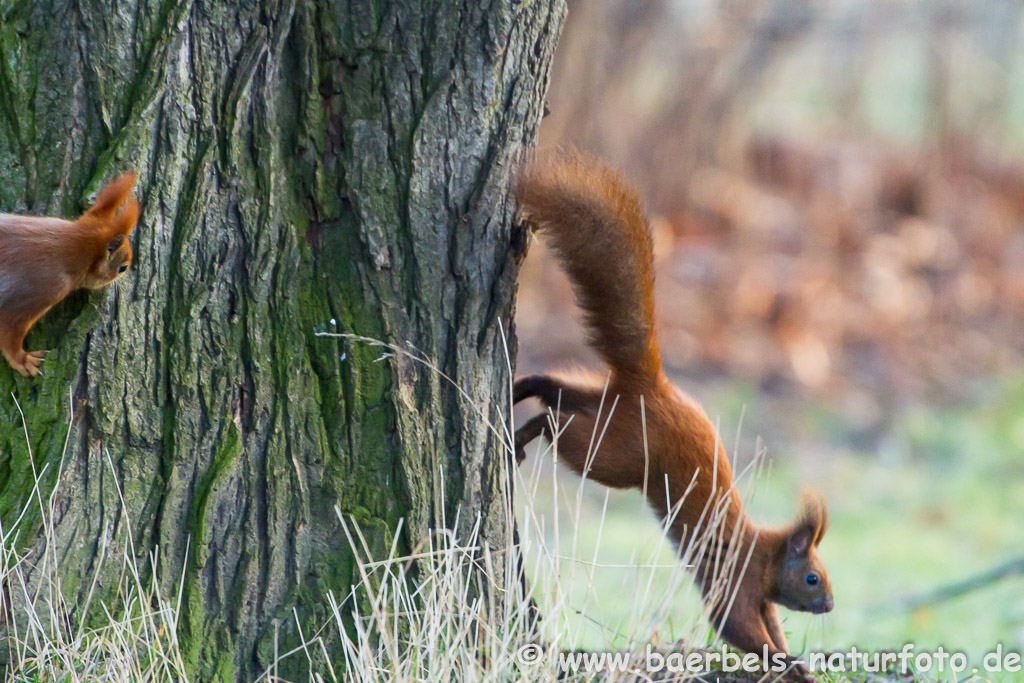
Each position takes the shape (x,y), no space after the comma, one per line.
(123,268)
(811,579)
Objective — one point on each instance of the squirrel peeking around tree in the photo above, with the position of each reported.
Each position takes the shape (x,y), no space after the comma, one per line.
(43,259)
(595,222)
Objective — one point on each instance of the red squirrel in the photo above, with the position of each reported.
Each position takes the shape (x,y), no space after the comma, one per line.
(44,259)
(595,222)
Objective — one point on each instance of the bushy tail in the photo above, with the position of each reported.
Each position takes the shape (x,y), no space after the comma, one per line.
(596,224)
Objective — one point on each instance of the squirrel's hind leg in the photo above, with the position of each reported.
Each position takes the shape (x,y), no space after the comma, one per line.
(564,397)
(568,393)
(598,436)
(536,426)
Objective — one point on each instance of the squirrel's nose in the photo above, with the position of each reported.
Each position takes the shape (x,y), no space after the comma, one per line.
(822,604)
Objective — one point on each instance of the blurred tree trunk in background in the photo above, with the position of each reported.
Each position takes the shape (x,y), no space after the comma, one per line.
(303,166)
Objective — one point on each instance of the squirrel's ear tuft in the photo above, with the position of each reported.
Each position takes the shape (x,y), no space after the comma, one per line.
(124,221)
(813,514)
(810,526)
(112,196)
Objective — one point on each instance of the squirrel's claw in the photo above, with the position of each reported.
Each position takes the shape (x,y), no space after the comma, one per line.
(29,366)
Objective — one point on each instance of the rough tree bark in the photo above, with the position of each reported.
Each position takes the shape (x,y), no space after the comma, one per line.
(300,163)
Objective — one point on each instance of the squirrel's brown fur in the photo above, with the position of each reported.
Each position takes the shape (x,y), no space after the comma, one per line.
(595,222)
(43,259)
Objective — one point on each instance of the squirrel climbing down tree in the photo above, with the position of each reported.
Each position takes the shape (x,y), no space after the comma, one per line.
(595,222)
(43,259)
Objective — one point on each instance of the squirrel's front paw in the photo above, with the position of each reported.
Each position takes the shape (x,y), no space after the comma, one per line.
(799,673)
(28,363)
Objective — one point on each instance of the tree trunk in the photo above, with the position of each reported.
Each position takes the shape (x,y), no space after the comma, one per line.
(303,166)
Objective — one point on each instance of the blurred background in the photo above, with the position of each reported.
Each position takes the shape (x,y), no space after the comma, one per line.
(837,195)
